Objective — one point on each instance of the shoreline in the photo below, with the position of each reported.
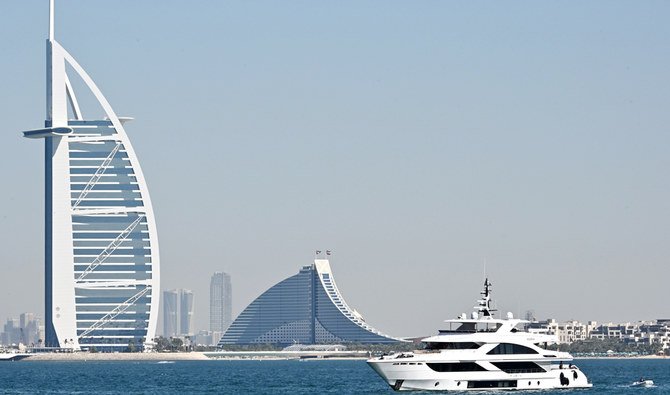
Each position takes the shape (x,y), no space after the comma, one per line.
(202,356)
(139,356)
(184,356)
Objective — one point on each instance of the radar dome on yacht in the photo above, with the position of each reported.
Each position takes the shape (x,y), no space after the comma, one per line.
(510,315)
(464,316)
(475,315)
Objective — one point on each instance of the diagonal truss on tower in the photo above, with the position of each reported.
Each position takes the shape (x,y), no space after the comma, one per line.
(101,248)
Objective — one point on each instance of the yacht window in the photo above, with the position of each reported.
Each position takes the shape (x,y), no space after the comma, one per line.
(509,348)
(467,327)
(456,367)
(451,346)
(488,327)
(519,367)
(492,384)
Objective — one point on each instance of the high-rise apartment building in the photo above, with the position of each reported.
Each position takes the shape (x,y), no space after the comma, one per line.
(170,313)
(186,324)
(10,332)
(220,304)
(25,330)
(29,327)
(178,313)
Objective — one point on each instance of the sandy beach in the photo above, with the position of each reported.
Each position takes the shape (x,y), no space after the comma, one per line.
(138,356)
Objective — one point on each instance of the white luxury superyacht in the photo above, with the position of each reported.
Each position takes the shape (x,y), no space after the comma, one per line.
(482,353)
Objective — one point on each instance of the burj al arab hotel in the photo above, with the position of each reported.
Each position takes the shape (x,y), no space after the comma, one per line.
(102,269)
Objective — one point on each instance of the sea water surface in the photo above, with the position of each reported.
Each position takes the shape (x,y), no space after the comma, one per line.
(609,376)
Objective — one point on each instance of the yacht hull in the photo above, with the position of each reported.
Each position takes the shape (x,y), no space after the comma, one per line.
(12,357)
(419,377)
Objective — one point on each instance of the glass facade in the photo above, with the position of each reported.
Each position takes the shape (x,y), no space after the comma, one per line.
(112,250)
(305,308)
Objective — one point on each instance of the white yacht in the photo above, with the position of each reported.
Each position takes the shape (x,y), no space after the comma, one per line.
(12,356)
(482,353)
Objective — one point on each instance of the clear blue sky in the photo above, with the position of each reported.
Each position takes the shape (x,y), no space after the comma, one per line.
(417,140)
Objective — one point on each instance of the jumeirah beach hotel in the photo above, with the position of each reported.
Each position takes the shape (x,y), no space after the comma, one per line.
(306,308)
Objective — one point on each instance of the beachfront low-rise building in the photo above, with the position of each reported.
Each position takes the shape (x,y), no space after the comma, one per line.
(642,332)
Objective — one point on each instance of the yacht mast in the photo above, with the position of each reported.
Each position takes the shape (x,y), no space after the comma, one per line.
(484,304)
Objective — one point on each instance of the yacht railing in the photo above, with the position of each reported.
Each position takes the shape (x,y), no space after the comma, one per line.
(533,370)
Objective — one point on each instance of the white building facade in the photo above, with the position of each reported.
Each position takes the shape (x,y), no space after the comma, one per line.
(102,267)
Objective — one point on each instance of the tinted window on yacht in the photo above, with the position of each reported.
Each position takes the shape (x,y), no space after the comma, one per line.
(451,346)
(492,384)
(467,327)
(456,367)
(508,348)
(519,367)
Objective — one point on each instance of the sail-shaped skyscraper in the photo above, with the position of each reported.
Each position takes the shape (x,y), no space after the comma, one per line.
(101,248)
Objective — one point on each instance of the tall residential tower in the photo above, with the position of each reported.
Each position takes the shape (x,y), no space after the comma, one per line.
(178,313)
(220,303)
(101,248)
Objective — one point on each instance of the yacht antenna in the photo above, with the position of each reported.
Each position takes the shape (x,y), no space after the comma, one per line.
(484,304)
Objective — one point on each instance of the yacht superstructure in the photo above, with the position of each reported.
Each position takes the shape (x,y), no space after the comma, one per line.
(482,353)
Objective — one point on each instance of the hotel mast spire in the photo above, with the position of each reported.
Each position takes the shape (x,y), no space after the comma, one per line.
(57,90)
(51,20)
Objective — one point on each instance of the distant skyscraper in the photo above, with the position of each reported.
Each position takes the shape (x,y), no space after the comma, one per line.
(10,332)
(170,308)
(178,312)
(29,326)
(186,313)
(220,303)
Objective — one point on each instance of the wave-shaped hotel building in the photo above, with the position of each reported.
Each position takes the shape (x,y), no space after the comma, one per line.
(101,247)
(305,308)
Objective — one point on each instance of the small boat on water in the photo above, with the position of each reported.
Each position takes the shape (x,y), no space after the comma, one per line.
(10,356)
(643,383)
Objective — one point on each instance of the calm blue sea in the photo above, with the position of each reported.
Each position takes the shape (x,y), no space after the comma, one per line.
(270,377)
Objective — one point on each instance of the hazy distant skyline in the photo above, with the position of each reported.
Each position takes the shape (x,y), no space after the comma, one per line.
(423,142)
